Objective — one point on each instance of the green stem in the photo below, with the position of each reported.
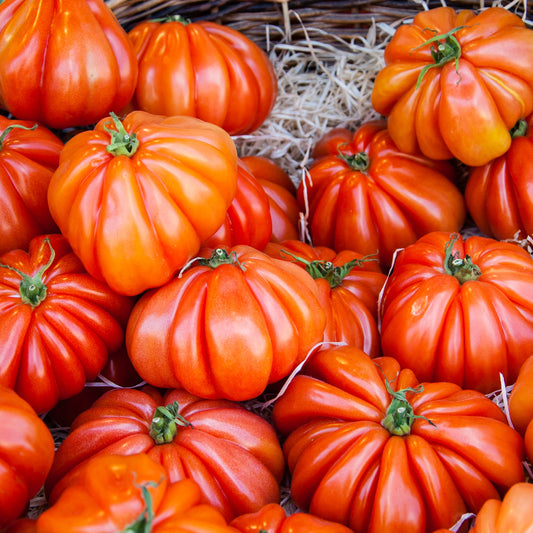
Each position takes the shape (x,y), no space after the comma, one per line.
(172,18)
(32,289)
(221,257)
(6,132)
(460,268)
(358,162)
(122,143)
(143,524)
(165,423)
(519,129)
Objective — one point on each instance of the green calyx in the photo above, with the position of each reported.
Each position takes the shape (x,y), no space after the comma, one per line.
(519,129)
(219,257)
(143,524)
(122,143)
(460,268)
(165,423)
(334,275)
(6,132)
(172,18)
(444,48)
(358,162)
(32,289)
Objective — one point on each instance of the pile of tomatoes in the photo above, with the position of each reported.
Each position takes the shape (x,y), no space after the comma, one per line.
(139,248)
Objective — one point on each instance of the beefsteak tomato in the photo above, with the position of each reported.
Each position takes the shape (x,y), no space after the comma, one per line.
(371,447)
(58,324)
(371,197)
(26,454)
(228,326)
(521,397)
(136,199)
(456,82)
(233,454)
(203,69)
(130,493)
(64,63)
(29,154)
(460,310)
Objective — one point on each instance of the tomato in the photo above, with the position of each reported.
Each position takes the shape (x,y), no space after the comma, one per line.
(510,514)
(498,194)
(29,154)
(264,168)
(333,141)
(460,310)
(130,493)
(58,324)
(233,454)
(372,197)
(348,285)
(136,199)
(63,81)
(371,447)
(26,454)
(272,518)
(23,525)
(528,441)
(228,326)
(248,219)
(442,62)
(521,397)
(203,69)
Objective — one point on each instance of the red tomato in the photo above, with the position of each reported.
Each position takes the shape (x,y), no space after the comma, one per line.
(370,447)
(64,63)
(205,70)
(228,326)
(233,454)
(273,519)
(499,194)
(29,154)
(455,83)
(248,219)
(136,199)
(58,323)
(348,285)
(264,168)
(397,197)
(528,441)
(26,454)
(130,493)
(521,397)
(460,311)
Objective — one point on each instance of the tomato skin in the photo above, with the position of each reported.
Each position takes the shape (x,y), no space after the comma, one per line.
(498,194)
(528,441)
(465,333)
(27,160)
(273,519)
(232,453)
(62,83)
(386,206)
(208,70)
(433,114)
(27,451)
(48,351)
(347,467)
(105,204)
(85,507)
(521,397)
(228,331)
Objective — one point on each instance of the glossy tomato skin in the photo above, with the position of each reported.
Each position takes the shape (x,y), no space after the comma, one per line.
(153,208)
(348,284)
(207,70)
(352,461)
(429,102)
(521,397)
(50,349)
(227,330)
(28,157)
(62,82)
(27,451)
(248,219)
(107,496)
(464,332)
(499,194)
(233,454)
(385,200)
(272,518)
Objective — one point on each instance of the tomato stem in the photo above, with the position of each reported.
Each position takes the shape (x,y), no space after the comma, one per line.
(519,129)
(359,162)
(165,423)
(334,275)
(460,268)
(172,18)
(221,257)
(32,289)
(6,132)
(143,524)
(122,143)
